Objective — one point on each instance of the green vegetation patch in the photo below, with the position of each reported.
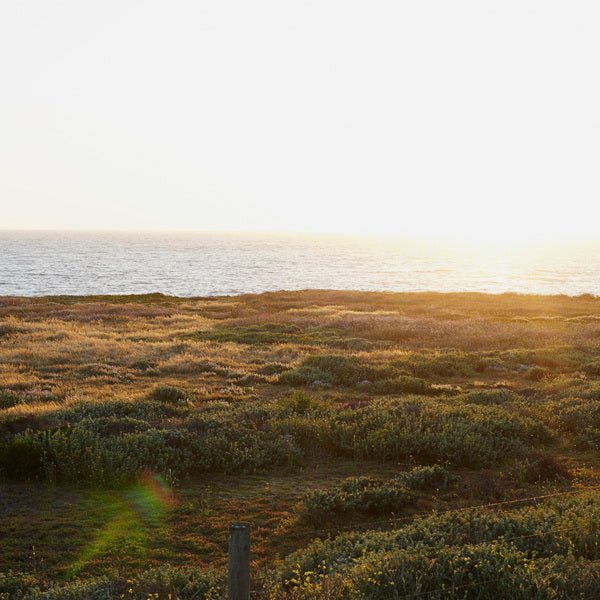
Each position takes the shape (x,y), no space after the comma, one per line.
(154,298)
(447,363)
(338,370)
(182,583)
(427,477)
(8,399)
(334,369)
(372,496)
(563,358)
(170,394)
(113,442)
(280,333)
(427,430)
(362,495)
(115,449)
(490,397)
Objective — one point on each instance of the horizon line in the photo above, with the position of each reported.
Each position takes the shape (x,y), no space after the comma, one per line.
(333,234)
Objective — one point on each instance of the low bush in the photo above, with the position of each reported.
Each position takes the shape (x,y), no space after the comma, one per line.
(558,357)
(100,370)
(8,399)
(301,404)
(15,585)
(486,571)
(170,394)
(451,363)
(543,467)
(429,431)
(114,426)
(22,458)
(144,364)
(486,397)
(165,582)
(282,333)
(403,384)
(272,369)
(427,478)
(183,583)
(336,370)
(114,440)
(536,373)
(578,417)
(366,495)
(363,495)
(305,375)
(116,449)
(144,410)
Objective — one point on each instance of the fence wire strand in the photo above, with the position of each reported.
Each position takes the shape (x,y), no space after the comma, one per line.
(392,521)
(500,538)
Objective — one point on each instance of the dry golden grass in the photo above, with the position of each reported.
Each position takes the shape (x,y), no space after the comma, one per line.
(50,342)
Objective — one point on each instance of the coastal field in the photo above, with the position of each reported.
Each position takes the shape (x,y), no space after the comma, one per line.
(381,445)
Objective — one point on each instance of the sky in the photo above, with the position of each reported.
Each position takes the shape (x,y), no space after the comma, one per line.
(435,119)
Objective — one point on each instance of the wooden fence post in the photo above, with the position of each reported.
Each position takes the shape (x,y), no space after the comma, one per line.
(238,562)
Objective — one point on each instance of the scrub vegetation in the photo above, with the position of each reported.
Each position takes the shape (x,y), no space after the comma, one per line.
(355,432)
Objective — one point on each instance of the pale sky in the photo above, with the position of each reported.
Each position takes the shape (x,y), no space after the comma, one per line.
(467,120)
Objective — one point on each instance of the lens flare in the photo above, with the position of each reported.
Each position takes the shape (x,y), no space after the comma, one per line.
(133,512)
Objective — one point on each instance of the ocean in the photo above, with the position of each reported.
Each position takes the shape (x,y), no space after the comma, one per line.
(200,264)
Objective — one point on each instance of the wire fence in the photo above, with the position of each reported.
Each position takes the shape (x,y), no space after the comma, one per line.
(394,521)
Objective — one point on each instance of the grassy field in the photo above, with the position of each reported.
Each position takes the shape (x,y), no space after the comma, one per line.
(353,430)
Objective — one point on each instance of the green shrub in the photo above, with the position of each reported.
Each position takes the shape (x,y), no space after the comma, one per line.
(144,364)
(113,441)
(183,583)
(485,572)
(22,458)
(115,450)
(403,384)
(305,375)
(427,477)
(558,357)
(272,369)
(114,426)
(8,399)
(301,403)
(575,415)
(282,333)
(536,373)
(143,410)
(430,431)
(336,370)
(170,394)
(80,454)
(543,467)
(357,494)
(474,572)
(176,583)
(450,363)
(568,577)
(486,397)
(16,585)
(100,370)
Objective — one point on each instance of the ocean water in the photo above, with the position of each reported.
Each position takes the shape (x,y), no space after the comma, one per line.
(195,264)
